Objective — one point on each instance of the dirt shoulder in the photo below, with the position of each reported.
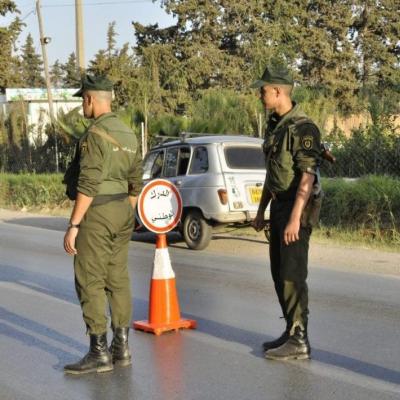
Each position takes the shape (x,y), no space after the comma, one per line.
(322,254)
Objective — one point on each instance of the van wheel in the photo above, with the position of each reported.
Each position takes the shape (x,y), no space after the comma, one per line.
(196,231)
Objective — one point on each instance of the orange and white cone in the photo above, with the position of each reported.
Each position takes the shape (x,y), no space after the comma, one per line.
(164,313)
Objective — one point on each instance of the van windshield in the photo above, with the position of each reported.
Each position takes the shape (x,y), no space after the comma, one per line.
(244,157)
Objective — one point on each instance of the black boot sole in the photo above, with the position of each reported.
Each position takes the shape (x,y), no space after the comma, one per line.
(288,358)
(100,370)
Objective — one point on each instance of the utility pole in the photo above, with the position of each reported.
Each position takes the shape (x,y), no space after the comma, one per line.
(44,41)
(260,125)
(80,50)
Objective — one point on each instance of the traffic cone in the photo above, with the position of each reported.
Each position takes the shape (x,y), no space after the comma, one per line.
(164,313)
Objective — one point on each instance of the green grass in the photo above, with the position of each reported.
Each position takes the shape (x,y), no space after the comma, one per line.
(367,208)
(354,238)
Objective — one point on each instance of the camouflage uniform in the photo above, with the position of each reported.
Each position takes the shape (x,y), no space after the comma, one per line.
(292,148)
(294,143)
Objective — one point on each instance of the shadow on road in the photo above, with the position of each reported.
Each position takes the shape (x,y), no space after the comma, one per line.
(235,238)
(357,366)
(63,289)
(254,340)
(63,356)
(55,287)
(51,223)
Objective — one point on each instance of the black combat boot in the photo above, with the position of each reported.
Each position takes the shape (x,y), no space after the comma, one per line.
(297,347)
(98,359)
(277,342)
(119,348)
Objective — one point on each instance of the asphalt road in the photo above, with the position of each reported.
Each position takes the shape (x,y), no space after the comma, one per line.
(354,328)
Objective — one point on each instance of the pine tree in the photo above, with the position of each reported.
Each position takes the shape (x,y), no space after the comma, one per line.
(57,74)
(119,66)
(31,65)
(71,78)
(111,39)
(100,64)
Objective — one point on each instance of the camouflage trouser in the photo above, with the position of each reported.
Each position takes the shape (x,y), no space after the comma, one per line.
(289,266)
(101,265)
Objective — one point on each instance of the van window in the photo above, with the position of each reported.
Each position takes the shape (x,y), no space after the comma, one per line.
(177,162)
(156,170)
(184,157)
(171,162)
(153,165)
(244,157)
(199,161)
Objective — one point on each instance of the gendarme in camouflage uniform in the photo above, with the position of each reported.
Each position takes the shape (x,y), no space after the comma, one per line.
(292,153)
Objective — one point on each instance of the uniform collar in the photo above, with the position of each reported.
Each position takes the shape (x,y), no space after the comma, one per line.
(289,115)
(104,116)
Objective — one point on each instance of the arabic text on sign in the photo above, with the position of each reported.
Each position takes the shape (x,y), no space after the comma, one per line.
(156,194)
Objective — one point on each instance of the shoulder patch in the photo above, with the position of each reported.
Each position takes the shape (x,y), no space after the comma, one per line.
(307,142)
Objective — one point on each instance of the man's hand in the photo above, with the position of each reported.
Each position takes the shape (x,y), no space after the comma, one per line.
(291,233)
(69,241)
(82,204)
(259,222)
(133,200)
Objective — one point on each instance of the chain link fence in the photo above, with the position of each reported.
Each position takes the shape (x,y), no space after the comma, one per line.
(372,151)
(362,161)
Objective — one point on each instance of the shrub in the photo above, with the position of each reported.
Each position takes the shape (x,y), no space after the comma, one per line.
(32,191)
(370,204)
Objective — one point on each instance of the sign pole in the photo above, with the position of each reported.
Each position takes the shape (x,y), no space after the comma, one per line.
(160,210)
(44,41)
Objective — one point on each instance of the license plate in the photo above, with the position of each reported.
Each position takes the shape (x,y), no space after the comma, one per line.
(255,194)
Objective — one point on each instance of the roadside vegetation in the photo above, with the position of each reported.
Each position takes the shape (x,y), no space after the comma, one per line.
(364,211)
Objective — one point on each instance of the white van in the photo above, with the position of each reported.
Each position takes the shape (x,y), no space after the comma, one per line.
(220,179)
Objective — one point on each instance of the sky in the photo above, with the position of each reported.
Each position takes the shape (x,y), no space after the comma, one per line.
(59,23)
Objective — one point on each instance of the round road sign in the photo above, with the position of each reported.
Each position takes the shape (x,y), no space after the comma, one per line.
(160,206)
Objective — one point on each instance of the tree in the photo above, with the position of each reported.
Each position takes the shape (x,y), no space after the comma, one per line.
(375,32)
(8,37)
(57,74)
(120,67)
(332,46)
(213,45)
(100,64)
(72,77)
(111,41)
(105,59)
(31,65)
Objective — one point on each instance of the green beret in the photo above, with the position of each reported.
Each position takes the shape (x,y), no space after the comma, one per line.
(274,74)
(92,82)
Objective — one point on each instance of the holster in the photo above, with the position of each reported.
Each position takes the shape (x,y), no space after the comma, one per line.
(312,210)
(71,176)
